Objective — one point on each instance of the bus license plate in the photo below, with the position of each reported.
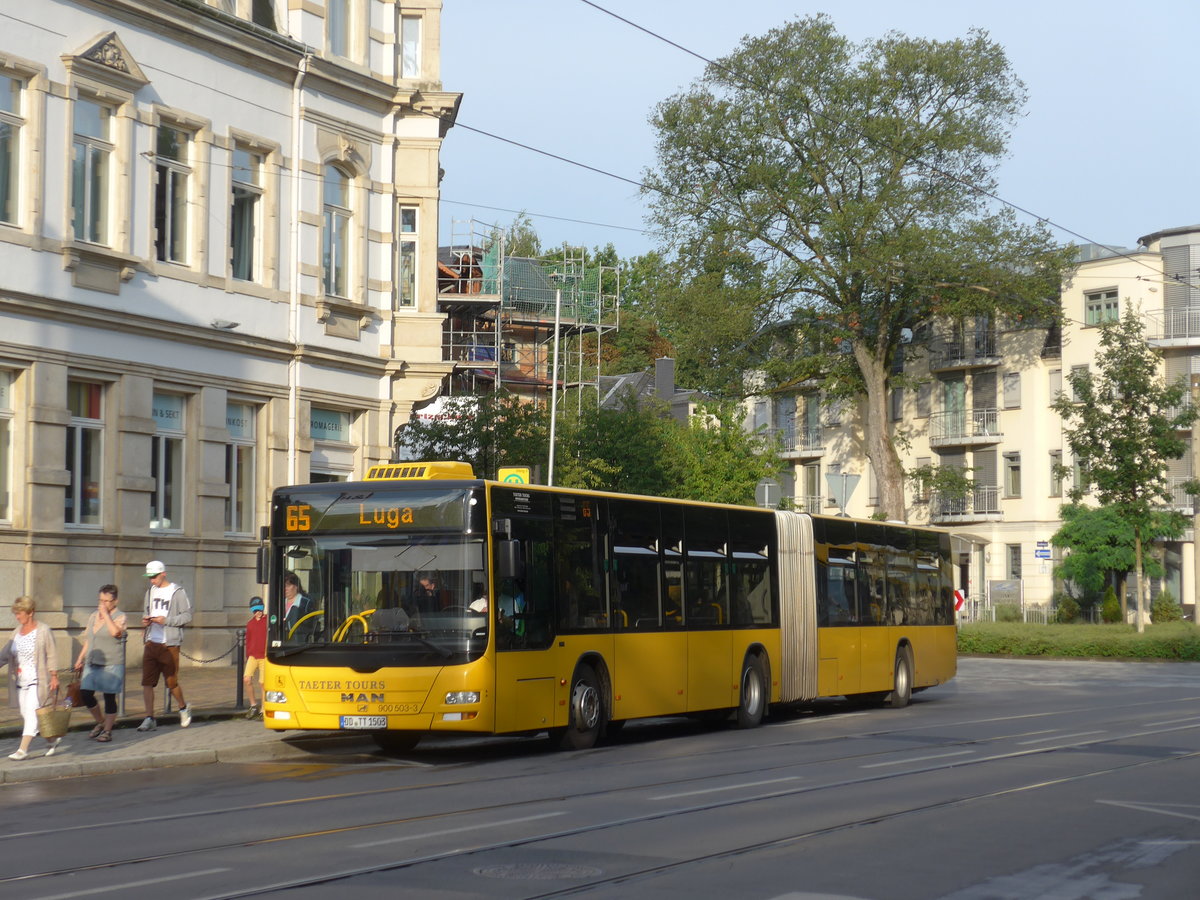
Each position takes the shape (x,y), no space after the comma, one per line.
(364,722)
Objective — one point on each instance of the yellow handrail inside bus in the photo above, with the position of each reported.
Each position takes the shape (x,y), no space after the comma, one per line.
(345,627)
(315,612)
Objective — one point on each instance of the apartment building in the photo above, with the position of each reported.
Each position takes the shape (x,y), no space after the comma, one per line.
(979,397)
(217,275)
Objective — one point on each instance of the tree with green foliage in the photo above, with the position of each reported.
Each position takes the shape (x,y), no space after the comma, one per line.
(1101,547)
(487,430)
(857,182)
(634,448)
(1123,425)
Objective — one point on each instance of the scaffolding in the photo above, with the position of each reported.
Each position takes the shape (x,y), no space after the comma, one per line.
(501,312)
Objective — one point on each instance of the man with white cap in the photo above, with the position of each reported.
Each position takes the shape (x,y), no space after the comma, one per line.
(165,611)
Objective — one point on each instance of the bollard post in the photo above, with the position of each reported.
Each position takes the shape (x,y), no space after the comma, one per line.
(125,669)
(240,667)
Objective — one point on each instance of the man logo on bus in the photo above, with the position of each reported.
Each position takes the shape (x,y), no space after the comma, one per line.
(362,698)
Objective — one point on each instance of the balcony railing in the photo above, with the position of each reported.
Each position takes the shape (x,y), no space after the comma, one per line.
(977,426)
(977,350)
(805,441)
(1181,500)
(981,504)
(1178,325)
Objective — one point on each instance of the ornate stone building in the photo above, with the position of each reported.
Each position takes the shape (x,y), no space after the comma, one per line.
(217,275)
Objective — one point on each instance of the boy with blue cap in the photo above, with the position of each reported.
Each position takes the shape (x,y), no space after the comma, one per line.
(256,652)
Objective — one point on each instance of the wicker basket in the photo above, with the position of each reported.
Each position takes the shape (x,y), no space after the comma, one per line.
(53,721)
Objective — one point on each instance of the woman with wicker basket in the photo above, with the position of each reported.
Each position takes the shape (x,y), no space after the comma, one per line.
(32,672)
(102,662)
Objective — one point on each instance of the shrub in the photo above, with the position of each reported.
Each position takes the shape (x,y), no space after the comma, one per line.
(1165,609)
(1110,606)
(1008,612)
(1066,610)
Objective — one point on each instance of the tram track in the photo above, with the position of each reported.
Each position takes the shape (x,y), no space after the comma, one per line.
(30,879)
(626,877)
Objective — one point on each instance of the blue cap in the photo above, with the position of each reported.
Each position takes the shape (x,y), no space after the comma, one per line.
(256,604)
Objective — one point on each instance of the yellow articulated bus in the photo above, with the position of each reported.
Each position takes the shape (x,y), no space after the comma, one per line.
(423,600)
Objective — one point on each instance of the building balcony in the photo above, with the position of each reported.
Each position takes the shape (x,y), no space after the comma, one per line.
(801,443)
(980,505)
(809,504)
(978,427)
(1173,327)
(1181,500)
(977,352)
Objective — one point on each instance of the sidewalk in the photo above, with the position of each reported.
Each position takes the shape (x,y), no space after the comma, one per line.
(219,733)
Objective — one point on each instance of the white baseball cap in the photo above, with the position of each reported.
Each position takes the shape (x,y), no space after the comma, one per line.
(154,567)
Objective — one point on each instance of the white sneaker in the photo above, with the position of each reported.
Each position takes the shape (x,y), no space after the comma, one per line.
(18,754)
(53,748)
(185,716)
(148,724)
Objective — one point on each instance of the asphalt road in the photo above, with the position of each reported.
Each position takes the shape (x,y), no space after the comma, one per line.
(1019,779)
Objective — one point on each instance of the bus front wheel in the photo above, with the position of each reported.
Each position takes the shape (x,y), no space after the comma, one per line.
(586,717)
(396,741)
(901,692)
(753,701)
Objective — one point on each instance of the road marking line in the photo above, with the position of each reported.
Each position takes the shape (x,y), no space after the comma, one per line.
(427,834)
(913,759)
(1058,737)
(728,787)
(1171,722)
(131,884)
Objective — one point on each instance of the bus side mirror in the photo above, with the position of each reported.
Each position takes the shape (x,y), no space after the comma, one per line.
(508,559)
(261,566)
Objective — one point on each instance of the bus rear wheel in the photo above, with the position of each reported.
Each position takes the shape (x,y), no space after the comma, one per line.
(752,703)
(586,715)
(396,741)
(901,692)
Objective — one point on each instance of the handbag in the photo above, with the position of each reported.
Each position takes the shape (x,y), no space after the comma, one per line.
(54,721)
(70,678)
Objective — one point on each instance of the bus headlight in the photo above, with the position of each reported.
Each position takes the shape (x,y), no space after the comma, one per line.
(456,697)
(275,697)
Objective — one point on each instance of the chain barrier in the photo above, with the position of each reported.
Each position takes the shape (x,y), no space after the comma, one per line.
(205,662)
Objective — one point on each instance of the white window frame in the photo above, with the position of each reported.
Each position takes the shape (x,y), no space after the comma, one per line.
(337,236)
(241,456)
(1101,306)
(1012,474)
(7,380)
(1013,561)
(407,244)
(340,19)
(168,448)
(411,29)
(12,127)
(87,151)
(247,192)
(75,492)
(1056,482)
(172,195)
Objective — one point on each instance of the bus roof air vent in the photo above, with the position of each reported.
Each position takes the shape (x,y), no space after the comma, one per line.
(425,471)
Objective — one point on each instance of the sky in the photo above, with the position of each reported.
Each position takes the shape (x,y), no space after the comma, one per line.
(1106,151)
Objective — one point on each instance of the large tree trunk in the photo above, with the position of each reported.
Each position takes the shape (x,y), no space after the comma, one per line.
(889,474)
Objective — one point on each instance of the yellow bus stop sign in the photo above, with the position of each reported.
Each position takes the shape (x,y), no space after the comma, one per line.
(514,474)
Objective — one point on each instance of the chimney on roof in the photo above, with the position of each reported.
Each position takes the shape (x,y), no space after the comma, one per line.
(664,378)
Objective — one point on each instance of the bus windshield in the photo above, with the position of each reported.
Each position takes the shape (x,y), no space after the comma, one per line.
(402,599)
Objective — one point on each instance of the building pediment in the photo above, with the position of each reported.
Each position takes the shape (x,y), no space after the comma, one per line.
(105,58)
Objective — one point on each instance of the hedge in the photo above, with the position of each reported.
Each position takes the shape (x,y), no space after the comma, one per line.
(1168,641)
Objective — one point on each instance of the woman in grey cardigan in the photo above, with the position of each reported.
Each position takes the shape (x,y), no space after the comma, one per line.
(32,672)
